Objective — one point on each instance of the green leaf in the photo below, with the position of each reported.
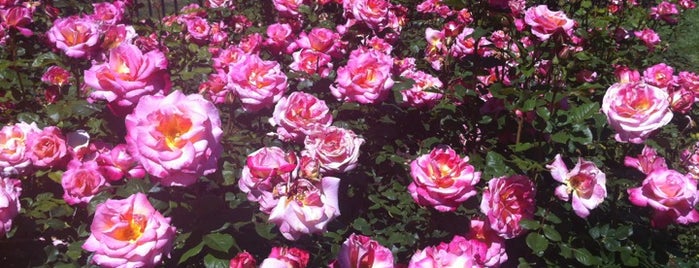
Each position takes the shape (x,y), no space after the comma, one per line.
(584,256)
(583,112)
(623,232)
(362,226)
(191,252)
(627,257)
(551,233)
(219,242)
(45,59)
(537,243)
(212,262)
(529,224)
(265,230)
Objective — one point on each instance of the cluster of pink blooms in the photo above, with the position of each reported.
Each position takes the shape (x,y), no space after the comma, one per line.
(637,106)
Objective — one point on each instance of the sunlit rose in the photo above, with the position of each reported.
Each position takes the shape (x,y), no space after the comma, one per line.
(74,35)
(81,182)
(284,257)
(365,79)
(258,83)
(47,148)
(647,161)
(671,194)
(545,22)
(506,201)
(585,182)
(337,149)
(10,190)
(360,251)
(14,154)
(298,114)
(636,110)
(264,169)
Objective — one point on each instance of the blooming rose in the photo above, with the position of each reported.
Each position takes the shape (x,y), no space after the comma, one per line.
(118,162)
(337,149)
(198,28)
(306,208)
(129,233)
(175,137)
(442,179)
(545,22)
(484,244)
(506,201)
(636,110)
(258,83)
(279,36)
(56,76)
(263,170)
(47,147)
(671,194)
(659,75)
(74,35)
(81,182)
(10,190)
(365,79)
(311,62)
(586,182)
(647,161)
(109,13)
(361,251)
(114,35)
(17,17)
(286,257)
(320,40)
(298,114)
(14,156)
(127,76)
(288,7)
(442,255)
(243,260)
(425,92)
(649,37)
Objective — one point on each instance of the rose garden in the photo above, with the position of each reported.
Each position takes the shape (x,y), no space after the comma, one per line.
(348,133)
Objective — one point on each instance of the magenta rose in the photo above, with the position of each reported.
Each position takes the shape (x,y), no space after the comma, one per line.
(306,208)
(47,148)
(484,244)
(337,149)
(10,190)
(81,182)
(258,83)
(647,161)
(636,110)
(298,114)
(129,233)
(75,35)
(442,179)
(442,255)
(286,257)
(14,156)
(365,79)
(265,169)
(545,22)
(243,260)
(311,62)
(659,75)
(128,75)
(176,138)
(56,76)
(362,251)
(506,201)
(671,194)
(108,13)
(585,182)
(425,92)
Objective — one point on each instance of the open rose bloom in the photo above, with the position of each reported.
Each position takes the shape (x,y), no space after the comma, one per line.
(585,182)
(546,23)
(176,138)
(365,79)
(14,156)
(671,194)
(484,244)
(258,83)
(337,149)
(265,169)
(360,251)
(506,201)
(442,179)
(298,114)
(636,110)
(81,182)
(452,254)
(10,190)
(286,257)
(47,147)
(76,36)
(647,161)
(129,233)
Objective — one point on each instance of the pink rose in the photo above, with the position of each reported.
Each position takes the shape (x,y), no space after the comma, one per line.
(129,233)
(464,44)
(626,75)
(442,179)
(647,161)
(636,110)
(690,81)
(649,37)
(10,190)
(362,251)
(258,83)
(74,35)
(665,11)
(118,162)
(56,76)
(506,201)
(17,17)
(109,13)
(365,79)
(219,4)
(436,49)
(320,40)
(298,114)
(311,62)
(229,57)
(279,36)
(484,244)
(215,89)
(175,137)
(128,75)
(442,255)
(337,149)
(545,22)
(243,260)
(425,92)
(15,157)
(306,208)
(659,75)
(671,194)
(265,169)
(288,7)
(586,182)
(115,35)
(47,147)
(198,28)
(81,182)
(286,257)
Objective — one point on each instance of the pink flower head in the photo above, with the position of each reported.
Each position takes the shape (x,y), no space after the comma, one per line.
(175,137)
(265,169)
(128,75)
(442,179)
(586,182)
(288,7)
(647,161)
(15,157)
(258,83)
(286,257)
(671,194)
(689,81)
(337,149)
(436,48)
(115,35)
(74,35)
(129,233)
(365,79)
(47,147)
(118,162)
(312,62)
(56,76)
(321,40)
(279,36)
(228,57)
(374,13)
(636,110)
(484,244)
(545,22)
(306,207)
(649,37)
(681,100)
(626,75)
(220,4)
(81,182)
(464,44)
(10,190)
(215,89)
(665,11)
(108,13)
(298,114)
(506,201)
(361,251)
(687,4)
(425,92)
(17,17)
(198,28)
(442,255)
(659,75)
(243,260)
